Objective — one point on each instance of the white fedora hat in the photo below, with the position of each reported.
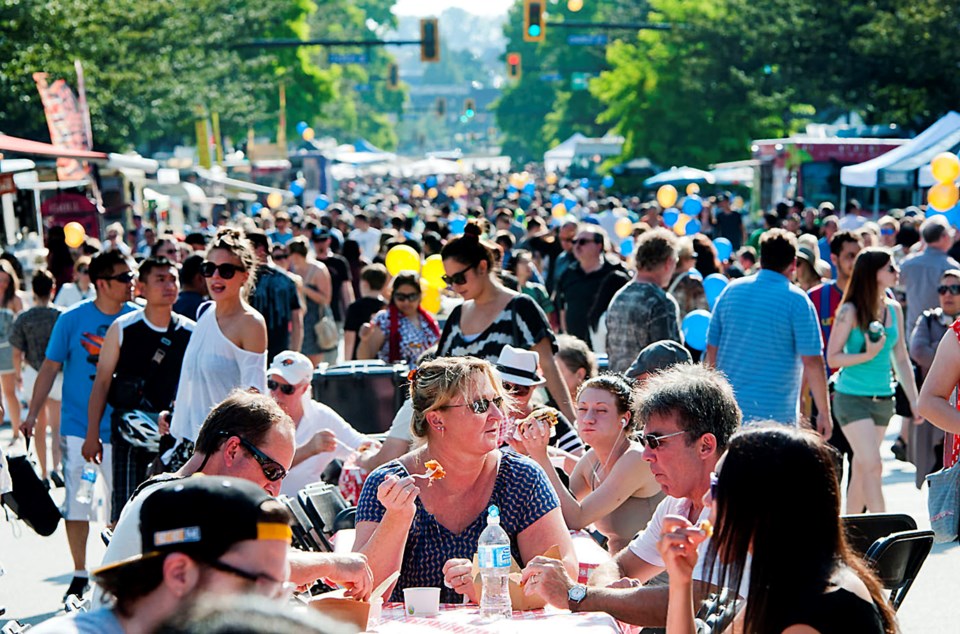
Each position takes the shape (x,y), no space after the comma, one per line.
(519,366)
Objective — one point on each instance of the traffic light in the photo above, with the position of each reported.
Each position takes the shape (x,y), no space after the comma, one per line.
(534,26)
(393,76)
(513,66)
(441,107)
(429,40)
(469,108)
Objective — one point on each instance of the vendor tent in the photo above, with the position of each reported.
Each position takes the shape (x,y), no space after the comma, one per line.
(680,176)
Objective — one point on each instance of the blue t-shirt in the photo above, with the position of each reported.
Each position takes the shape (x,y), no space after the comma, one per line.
(522,492)
(75,342)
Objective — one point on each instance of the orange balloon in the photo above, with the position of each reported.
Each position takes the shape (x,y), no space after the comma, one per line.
(692,189)
(74,234)
(667,196)
(680,227)
(274,200)
(945,167)
(943,196)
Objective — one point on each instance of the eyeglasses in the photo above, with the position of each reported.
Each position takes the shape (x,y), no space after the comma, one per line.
(272,588)
(286,388)
(885,231)
(124,278)
(584,241)
(83,270)
(227,270)
(459,278)
(272,470)
(406,297)
(280,256)
(481,405)
(519,390)
(892,268)
(652,441)
(953,289)
(714,480)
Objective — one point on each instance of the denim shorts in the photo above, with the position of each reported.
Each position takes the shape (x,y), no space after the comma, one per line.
(849,408)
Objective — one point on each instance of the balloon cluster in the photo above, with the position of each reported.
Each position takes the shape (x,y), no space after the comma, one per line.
(305,131)
(697,322)
(943,196)
(404,258)
(685,221)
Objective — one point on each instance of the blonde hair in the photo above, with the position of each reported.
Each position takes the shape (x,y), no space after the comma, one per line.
(436,383)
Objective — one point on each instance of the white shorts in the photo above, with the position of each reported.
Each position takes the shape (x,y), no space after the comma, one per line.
(73,463)
(30,379)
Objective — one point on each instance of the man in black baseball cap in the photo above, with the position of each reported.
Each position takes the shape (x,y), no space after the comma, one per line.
(198,535)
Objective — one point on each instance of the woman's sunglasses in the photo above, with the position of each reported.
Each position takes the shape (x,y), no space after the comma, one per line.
(519,390)
(227,270)
(953,289)
(652,441)
(406,297)
(457,278)
(481,405)
(280,256)
(272,470)
(286,388)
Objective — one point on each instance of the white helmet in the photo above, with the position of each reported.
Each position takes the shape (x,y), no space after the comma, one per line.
(141,429)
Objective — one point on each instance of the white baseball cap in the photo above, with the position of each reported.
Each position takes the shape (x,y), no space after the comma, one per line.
(295,368)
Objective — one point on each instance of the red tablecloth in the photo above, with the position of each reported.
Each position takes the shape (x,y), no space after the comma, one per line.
(465,619)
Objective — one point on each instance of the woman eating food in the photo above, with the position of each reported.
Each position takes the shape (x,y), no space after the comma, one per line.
(427,528)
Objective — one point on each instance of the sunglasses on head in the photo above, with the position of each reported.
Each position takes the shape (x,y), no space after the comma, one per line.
(519,390)
(227,270)
(406,297)
(653,441)
(286,388)
(953,289)
(481,405)
(124,278)
(272,470)
(459,278)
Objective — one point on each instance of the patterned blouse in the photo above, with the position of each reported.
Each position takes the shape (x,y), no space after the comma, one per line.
(521,492)
(414,340)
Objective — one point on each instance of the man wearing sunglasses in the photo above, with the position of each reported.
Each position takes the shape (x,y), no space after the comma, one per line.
(688,414)
(74,346)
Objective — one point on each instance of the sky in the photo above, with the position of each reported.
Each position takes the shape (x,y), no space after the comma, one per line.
(436,7)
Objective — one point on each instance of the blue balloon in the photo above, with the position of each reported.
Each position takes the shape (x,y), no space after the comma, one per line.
(692,227)
(607,181)
(694,327)
(430,182)
(584,182)
(512,189)
(692,205)
(724,248)
(301,127)
(255,208)
(670,217)
(322,202)
(457,225)
(626,247)
(296,188)
(713,285)
(953,216)
(570,203)
(530,188)
(592,219)
(556,199)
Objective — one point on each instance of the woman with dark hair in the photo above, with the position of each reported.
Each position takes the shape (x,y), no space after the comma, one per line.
(59,258)
(10,305)
(492,315)
(797,569)
(707,261)
(354,257)
(317,289)
(611,486)
(866,342)
(404,330)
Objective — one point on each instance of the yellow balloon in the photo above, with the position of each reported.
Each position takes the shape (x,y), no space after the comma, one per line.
(402,258)
(274,200)
(667,196)
(432,193)
(309,134)
(575,5)
(433,271)
(680,227)
(943,196)
(945,167)
(692,189)
(551,179)
(624,227)
(559,211)
(430,301)
(416,191)
(74,234)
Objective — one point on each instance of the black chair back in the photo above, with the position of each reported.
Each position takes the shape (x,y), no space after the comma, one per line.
(322,502)
(347,518)
(864,530)
(897,559)
(305,537)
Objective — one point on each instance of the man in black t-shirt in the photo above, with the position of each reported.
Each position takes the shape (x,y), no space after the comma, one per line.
(372,280)
(728,223)
(277,298)
(340,278)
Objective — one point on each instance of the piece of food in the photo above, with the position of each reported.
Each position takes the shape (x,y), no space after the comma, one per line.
(543,414)
(434,470)
(707,527)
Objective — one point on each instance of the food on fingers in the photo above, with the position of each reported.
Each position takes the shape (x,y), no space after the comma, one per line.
(546,415)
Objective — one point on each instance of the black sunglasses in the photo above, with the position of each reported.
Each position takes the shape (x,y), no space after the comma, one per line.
(652,441)
(280,256)
(124,278)
(953,289)
(83,270)
(892,269)
(272,470)
(481,405)
(406,297)
(519,390)
(286,388)
(457,278)
(583,241)
(227,270)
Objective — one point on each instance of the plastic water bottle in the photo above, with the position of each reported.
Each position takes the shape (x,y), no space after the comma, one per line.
(493,554)
(88,479)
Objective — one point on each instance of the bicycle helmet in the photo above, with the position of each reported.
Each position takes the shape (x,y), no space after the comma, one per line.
(141,429)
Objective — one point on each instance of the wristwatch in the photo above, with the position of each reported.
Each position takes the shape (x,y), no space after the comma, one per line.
(575,595)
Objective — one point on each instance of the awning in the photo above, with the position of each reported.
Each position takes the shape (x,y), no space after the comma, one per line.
(25,146)
(16,165)
(680,176)
(234,183)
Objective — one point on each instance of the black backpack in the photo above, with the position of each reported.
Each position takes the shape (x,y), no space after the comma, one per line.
(30,500)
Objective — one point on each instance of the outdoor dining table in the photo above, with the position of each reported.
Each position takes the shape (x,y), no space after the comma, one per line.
(466,619)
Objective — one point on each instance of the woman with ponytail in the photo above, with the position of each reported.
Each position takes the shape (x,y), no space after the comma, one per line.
(404,330)
(493,316)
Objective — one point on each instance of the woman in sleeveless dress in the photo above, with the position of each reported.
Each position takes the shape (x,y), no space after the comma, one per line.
(316,291)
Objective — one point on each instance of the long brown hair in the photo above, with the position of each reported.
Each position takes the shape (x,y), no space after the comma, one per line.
(11,289)
(862,290)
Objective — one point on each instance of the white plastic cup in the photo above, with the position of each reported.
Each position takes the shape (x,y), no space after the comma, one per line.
(376,612)
(421,601)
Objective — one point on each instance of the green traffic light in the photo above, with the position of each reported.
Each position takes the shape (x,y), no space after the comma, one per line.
(534,30)
(469,113)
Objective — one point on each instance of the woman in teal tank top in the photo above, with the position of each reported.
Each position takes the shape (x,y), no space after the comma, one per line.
(863,400)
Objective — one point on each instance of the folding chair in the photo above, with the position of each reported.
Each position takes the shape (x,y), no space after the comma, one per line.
(864,530)
(347,518)
(322,502)
(304,535)
(897,559)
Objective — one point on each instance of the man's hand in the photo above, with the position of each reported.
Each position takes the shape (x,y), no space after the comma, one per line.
(92,450)
(352,571)
(322,442)
(547,578)
(27,426)
(163,422)
(824,425)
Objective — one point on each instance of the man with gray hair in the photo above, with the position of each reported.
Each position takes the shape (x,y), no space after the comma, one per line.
(642,312)
(920,273)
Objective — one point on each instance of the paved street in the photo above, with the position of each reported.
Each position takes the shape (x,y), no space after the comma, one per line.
(38,569)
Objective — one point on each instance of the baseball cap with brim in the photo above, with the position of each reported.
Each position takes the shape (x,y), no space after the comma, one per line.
(294,367)
(658,356)
(519,366)
(202,517)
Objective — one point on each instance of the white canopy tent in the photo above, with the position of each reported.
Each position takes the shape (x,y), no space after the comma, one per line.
(680,175)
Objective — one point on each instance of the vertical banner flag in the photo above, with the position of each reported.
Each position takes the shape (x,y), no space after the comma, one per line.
(66,123)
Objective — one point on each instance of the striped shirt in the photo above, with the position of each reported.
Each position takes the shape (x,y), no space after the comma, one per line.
(521,323)
(762,326)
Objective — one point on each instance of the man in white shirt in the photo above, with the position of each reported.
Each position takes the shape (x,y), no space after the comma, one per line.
(366,236)
(322,434)
(688,414)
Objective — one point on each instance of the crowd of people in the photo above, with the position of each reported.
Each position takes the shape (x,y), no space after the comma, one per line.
(158,356)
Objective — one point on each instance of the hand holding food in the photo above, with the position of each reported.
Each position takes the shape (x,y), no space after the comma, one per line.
(546,415)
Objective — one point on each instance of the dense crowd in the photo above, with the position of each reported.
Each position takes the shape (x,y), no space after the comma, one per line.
(678,371)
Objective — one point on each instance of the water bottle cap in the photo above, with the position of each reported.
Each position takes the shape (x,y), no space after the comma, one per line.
(493,512)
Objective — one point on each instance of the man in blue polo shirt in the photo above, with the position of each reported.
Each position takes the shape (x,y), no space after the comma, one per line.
(764,335)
